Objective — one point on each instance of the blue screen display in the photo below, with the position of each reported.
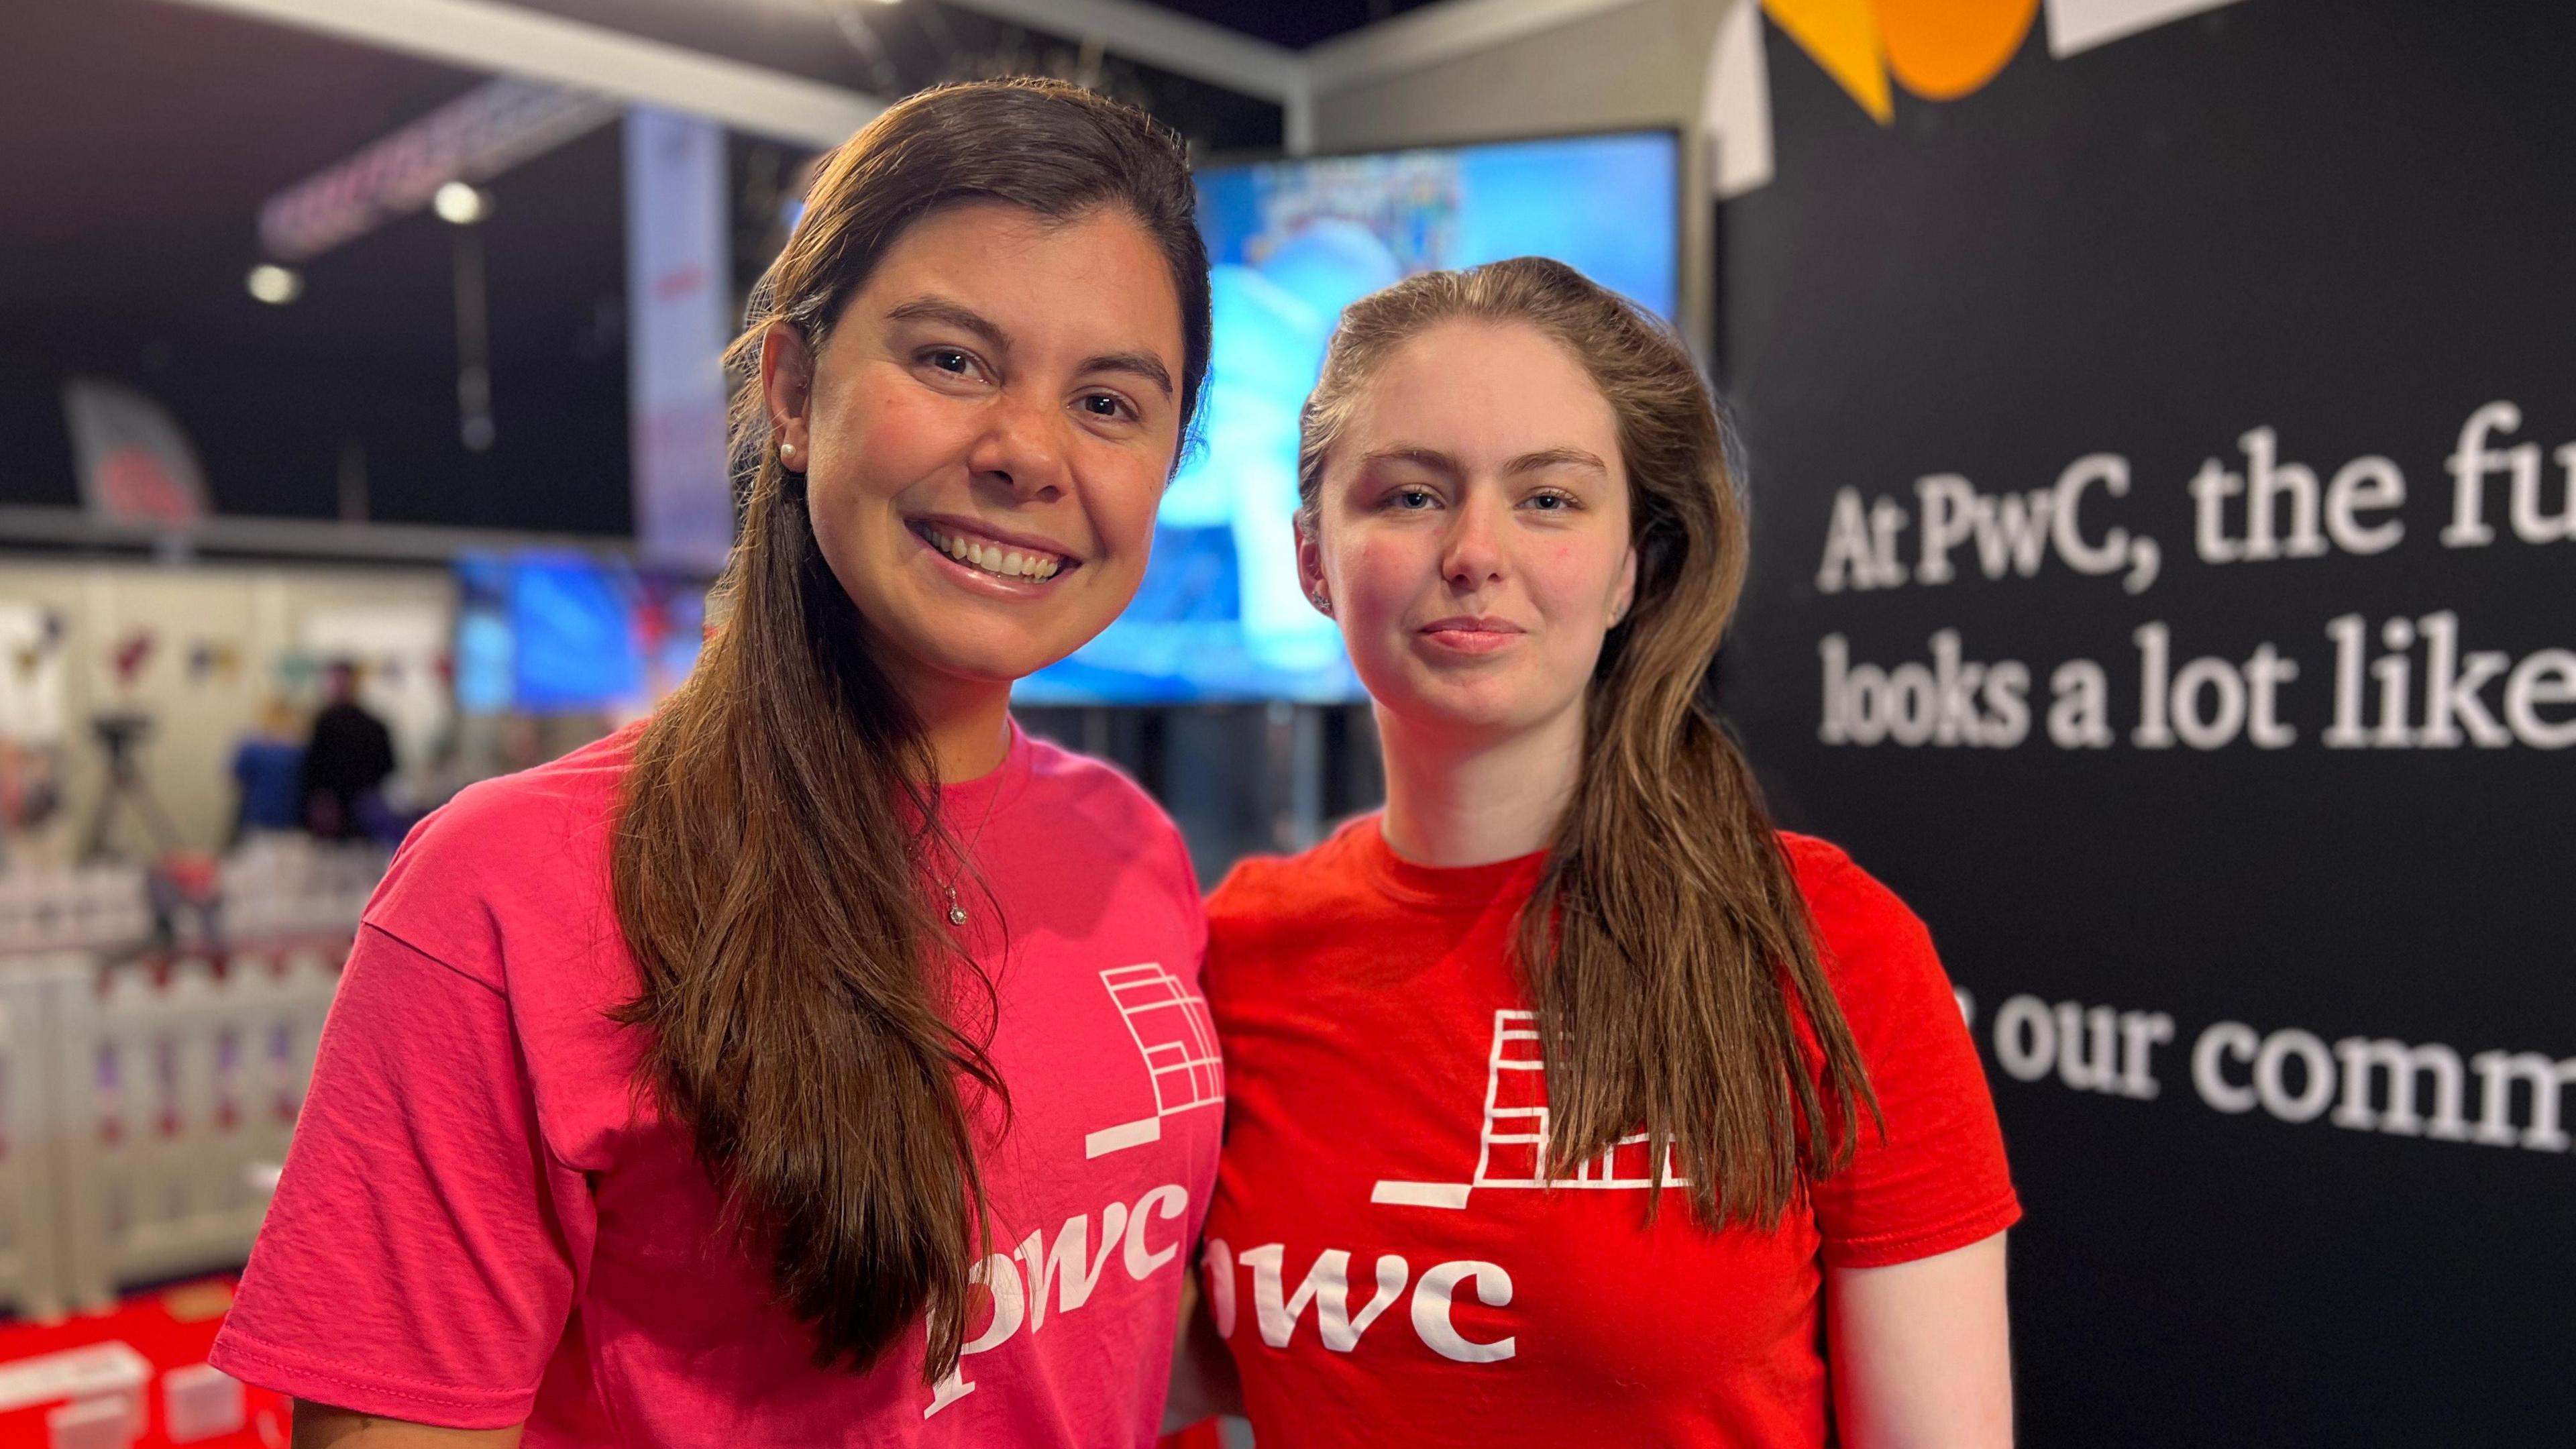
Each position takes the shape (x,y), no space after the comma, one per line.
(1219,616)
(573,644)
(550,633)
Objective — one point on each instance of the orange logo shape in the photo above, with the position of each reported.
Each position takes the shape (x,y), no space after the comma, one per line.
(1937,49)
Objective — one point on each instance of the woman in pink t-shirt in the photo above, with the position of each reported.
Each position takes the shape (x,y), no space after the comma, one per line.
(821,1061)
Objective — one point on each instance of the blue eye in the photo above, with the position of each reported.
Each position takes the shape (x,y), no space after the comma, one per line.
(1413,500)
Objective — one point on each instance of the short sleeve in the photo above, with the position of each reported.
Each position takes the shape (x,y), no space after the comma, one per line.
(411,1265)
(1936,1179)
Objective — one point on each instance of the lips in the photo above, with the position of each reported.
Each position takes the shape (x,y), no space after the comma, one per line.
(1472,634)
(1473,624)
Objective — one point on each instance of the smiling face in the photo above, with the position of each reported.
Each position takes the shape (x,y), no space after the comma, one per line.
(1472,531)
(985,435)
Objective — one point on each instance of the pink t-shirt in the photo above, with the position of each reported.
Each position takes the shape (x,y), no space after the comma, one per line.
(480,1223)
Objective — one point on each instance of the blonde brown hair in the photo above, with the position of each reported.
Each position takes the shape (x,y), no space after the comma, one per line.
(769,872)
(1667,949)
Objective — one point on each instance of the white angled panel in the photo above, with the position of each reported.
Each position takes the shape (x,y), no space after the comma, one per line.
(1160,38)
(1735,106)
(2078,25)
(1437,33)
(510,40)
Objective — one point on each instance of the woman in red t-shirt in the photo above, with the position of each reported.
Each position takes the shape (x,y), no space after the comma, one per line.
(1569,1102)
(662,1102)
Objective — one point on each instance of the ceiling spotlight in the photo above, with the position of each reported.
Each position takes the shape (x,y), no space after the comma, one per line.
(461,204)
(274,284)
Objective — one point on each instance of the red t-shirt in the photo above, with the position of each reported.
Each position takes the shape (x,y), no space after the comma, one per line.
(479,1224)
(1382,1257)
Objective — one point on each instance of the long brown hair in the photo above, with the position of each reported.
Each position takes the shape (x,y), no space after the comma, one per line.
(1666,948)
(803,1007)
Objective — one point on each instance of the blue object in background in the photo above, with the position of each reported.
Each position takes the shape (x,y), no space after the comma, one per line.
(486,677)
(1292,243)
(572,631)
(271,776)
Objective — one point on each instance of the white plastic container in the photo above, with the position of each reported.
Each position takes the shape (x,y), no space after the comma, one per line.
(201,1401)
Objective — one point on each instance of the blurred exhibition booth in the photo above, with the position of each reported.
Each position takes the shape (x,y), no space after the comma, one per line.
(2158,432)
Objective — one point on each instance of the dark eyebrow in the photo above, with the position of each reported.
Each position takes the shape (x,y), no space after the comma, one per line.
(965,319)
(1430,458)
(941,310)
(1141,364)
(1546,458)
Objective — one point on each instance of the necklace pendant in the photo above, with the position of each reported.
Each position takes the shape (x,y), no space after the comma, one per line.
(956,915)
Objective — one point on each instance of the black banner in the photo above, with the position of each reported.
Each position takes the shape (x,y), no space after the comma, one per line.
(2163,459)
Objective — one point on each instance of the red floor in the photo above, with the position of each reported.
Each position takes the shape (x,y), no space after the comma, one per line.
(173,1328)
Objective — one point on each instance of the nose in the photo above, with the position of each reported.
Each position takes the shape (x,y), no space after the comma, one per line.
(1473,556)
(1022,450)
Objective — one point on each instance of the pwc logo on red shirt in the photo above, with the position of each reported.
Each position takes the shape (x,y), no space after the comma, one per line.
(1511,1152)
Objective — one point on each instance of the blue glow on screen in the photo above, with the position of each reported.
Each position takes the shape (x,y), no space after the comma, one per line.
(1219,616)
(486,671)
(572,635)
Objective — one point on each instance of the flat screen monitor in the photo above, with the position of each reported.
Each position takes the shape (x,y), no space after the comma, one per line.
(553,633)
(1219,616)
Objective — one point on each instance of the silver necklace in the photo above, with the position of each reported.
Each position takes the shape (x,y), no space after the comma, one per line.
(957,912)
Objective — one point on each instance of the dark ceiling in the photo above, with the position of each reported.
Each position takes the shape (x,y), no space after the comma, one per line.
(1297,23)
(137,139)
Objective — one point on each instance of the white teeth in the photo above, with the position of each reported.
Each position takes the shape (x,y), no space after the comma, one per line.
(993,559)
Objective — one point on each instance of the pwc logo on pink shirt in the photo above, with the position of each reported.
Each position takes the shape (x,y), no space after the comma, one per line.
(1176,1044)
(1170,1026)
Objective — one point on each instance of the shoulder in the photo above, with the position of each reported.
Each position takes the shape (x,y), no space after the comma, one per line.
(1876,951)
(1845,900)
(1093,796)
(531,844)
(555,803)
(1266,896)
(1864,929)
(1062,779)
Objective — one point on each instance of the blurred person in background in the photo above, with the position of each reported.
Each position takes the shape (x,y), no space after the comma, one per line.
(268,771)
(715,1084)
(1661,1125)
(348,759)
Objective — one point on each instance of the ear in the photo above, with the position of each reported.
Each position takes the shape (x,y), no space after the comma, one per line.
(786,382)
(1310,569)
(1625,596)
